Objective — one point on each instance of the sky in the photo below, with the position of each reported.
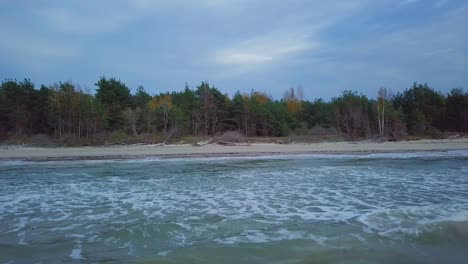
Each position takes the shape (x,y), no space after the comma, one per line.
(266,45)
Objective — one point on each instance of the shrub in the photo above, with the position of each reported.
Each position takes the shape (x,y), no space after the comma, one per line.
(232,136)
(117,137)
(315,134)
(435,133)
(41,140)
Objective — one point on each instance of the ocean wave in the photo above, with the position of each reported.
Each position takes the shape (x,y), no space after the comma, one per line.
(444,232)
(153,205)
(279,156)
(406,220)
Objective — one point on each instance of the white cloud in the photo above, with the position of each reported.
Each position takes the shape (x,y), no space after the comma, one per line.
(435,3)
(410,1)
(81,18)
(434,53)
(33,51)
(88,17)
(207,3)
(292,36)
(263,50)
(441,3)
(227,41)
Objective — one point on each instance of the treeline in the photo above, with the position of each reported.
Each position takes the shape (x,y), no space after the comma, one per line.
(66,112)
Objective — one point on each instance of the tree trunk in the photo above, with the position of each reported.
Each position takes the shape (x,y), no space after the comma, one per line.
(383,116)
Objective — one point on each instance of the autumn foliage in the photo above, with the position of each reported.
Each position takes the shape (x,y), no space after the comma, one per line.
(64,110)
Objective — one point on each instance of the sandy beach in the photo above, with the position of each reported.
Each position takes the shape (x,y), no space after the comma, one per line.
(210,150)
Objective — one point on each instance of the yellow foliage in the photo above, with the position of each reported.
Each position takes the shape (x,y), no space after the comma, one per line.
(293,100)
(293,106)
(164,102)
(261,98)
(153,103)
(245,98)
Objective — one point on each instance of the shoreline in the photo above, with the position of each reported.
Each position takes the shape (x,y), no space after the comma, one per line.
(211,150)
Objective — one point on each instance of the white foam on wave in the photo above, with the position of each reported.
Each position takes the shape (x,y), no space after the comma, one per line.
(263,236)
(461,216)
(269,204)
(164,253)
(410,219)
(20,226)
(392,155)
(131,248)
(76,161)
(419,154)
(65,228)
(290,235)
(75,254)
(118,179)
(12,162)
(256,237)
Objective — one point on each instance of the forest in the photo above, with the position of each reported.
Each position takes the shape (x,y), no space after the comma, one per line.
(64,113)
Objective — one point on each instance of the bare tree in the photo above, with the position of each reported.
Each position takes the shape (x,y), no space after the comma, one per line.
(55,99)
(300,93)
(381,99)
(132,116)
(293,99)
(196,120)
(148,116)
(165,105)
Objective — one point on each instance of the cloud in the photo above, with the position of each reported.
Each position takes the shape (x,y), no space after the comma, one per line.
(433,52)
(237,43)
(263,50)
(441,3)
(89,17)
(294,36)
(34,52)
(290,38)
(410,1)
(435,3)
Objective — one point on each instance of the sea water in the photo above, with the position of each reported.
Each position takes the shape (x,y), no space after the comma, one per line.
(380,208)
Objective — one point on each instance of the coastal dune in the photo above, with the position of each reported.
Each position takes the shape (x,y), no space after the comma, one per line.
(210,150)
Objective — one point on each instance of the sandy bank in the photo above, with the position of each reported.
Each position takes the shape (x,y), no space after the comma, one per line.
(116,152)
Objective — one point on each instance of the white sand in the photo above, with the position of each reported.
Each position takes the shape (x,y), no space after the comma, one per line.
(30,153)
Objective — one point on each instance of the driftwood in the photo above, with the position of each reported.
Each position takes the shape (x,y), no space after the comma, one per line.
(218,142)
(226,143)
(168,136)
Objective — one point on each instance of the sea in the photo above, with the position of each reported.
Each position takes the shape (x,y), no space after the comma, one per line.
(317,208)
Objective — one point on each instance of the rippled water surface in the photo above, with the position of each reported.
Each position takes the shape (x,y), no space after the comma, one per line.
(382,208)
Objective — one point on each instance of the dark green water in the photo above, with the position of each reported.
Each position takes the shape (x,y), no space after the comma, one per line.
(386,208)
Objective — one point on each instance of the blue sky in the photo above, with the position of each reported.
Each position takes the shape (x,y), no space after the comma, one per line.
(266,45)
